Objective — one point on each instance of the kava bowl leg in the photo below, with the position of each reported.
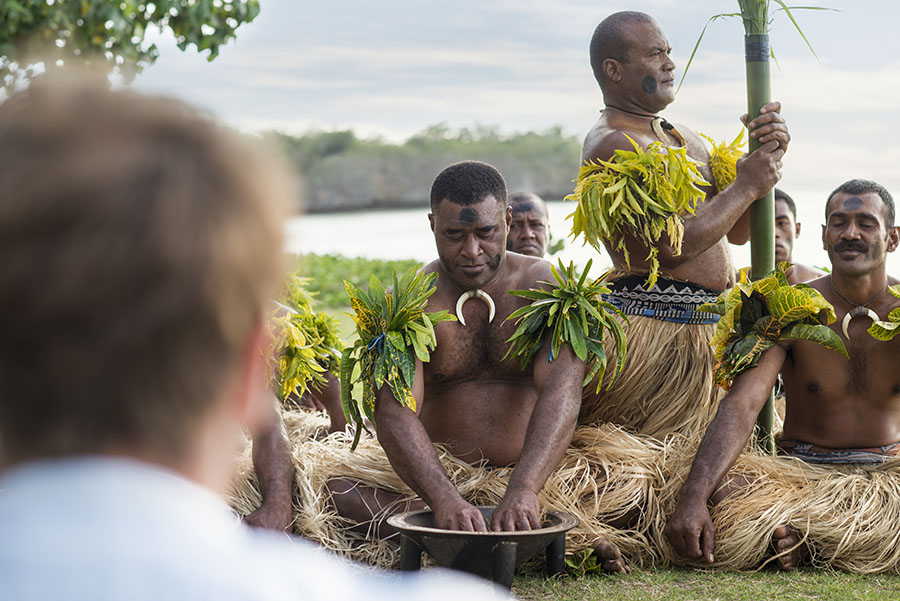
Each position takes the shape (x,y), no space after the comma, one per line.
(410,554)
(504,564)
(556,556)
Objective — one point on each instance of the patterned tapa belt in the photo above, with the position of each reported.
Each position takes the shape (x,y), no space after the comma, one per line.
(666,300)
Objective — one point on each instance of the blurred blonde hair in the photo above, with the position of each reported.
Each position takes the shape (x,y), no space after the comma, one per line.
(140,241)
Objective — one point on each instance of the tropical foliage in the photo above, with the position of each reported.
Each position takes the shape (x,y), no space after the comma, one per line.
(640,193)
(305,343)
(343,170)
(110,33)
(568,312)
(327,272)
(723,159)
(393,331)
(887,329)
(755,316)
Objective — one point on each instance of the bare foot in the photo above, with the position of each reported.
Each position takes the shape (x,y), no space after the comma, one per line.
(789,542)
(610,557)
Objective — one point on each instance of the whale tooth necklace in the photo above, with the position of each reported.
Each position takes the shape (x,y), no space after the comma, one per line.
(658,125)
(857,310)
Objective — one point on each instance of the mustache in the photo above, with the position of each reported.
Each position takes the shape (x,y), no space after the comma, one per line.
(851,245)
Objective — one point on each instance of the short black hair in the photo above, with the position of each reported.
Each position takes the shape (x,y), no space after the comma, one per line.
(782,195)
(468,183)
(517,198)
(865,186)
(609,39)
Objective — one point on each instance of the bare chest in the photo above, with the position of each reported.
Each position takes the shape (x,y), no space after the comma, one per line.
(870,375)
(475,351)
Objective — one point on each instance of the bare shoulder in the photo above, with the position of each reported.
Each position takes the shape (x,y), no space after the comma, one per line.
(527,272)
(821,284)
(602,141)
(431,267)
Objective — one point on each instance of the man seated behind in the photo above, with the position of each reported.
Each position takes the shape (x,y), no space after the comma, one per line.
(787,229)
(468,397)
(630,57)
(529,230)
(838,410)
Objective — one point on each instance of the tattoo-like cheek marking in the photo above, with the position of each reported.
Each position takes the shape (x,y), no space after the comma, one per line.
(852,203)
(648,84)
(468,215)
(495,261)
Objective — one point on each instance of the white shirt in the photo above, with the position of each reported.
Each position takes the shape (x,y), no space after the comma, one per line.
(113,529)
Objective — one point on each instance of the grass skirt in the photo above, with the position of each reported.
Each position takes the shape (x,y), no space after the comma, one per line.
(847,515)
(605,474)
(666,385)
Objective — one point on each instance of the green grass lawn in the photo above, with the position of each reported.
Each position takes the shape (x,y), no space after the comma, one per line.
(689,585)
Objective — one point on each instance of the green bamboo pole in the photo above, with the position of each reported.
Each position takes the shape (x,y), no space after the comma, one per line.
(762,212)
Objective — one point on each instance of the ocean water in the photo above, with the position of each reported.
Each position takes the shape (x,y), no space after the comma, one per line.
(405,234)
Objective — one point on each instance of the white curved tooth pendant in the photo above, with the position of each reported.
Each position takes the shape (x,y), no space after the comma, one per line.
(479,294)
(856,312)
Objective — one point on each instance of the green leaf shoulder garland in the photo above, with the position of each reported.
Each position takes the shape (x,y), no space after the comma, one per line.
(393,330)
(755,316)
(571,311)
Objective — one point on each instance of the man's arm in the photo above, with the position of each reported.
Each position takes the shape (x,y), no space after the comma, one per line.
(275,472)
(549,433)
(411,453)
(690,529)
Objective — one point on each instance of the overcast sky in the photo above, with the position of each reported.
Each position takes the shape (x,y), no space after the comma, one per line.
(394,67)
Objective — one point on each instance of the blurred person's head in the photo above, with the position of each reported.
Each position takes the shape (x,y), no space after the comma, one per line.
(529,231)
(140,241)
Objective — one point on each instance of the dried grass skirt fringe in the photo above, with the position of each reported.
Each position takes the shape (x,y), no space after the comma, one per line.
(606,474)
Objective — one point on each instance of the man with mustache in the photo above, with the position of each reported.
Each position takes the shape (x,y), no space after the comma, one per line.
(839,410)
(787,228)
(529,230)
(667,384)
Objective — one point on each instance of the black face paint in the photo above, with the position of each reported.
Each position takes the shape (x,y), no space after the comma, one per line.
(522,207)
(468,215)
(852,203)
(494,261)
(649,84)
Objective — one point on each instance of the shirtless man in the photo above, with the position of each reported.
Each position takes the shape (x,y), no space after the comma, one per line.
(630,57)
(832,403)
(787,228)
(467,397)
(529,231)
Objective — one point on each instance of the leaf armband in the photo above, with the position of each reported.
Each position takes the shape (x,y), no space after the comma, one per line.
(755,316)
(886,329)
(572,312)
(393,330)
(641,193)
(723,159)
(305,343)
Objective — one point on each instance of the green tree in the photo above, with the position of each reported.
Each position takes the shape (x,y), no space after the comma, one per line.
(109,33)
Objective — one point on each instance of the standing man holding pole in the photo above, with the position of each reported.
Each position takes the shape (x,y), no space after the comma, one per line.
(667,384)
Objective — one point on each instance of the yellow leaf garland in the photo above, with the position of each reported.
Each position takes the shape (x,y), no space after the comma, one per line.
(304,343)
(723,159)
(886,329)
(755,316)
(641,193)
